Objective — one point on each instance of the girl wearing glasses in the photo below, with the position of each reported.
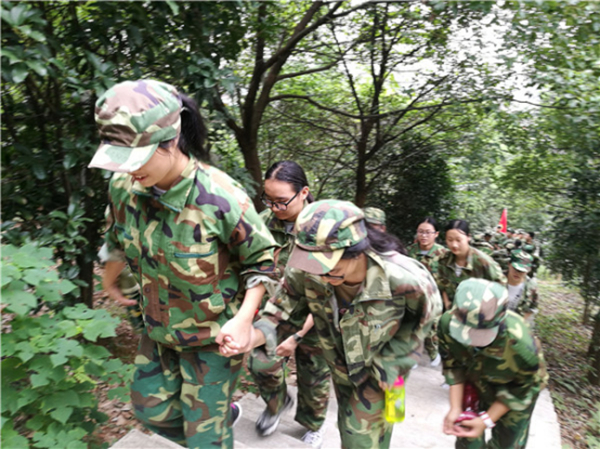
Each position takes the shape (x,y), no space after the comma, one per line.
(428,252)
(462,261)
(286,194)
(425,249)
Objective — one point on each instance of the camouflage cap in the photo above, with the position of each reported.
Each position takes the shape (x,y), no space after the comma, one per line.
(324,229)
(133,117)
(374,215)
(479,309)
(521,260)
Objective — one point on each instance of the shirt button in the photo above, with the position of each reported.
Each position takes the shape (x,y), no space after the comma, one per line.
(278,301)
(147,289)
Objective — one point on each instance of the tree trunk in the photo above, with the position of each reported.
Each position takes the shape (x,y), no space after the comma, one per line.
(594,353)
(252,161)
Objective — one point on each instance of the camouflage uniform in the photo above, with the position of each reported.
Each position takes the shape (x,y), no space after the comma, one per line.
(431,261)
(526,303)
(479,265)
(194,249)
(509,369)
(370,339)
(483,246)
(312,372)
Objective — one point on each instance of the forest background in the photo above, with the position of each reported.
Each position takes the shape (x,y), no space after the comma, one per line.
(423,108)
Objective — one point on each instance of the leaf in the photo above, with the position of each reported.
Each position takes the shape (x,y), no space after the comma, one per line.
(35,277)
(19,301)
(174,7)
(37,67)
(95,329)
(61,399)
(9,273)
(62,414)
(39,380)
(27,259)
(19,73)
(122,393)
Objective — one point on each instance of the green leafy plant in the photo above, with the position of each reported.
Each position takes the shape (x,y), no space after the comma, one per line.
(50,367)
(593,434)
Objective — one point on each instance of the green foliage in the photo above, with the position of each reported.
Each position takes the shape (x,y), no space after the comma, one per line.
(593,433)
(50,366)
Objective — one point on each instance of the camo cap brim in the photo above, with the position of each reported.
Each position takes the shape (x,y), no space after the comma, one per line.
(374,215)
(479,309)
(133,118)
(324,229)
(521,260)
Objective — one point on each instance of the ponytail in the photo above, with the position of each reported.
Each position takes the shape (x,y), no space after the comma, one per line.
(193,130)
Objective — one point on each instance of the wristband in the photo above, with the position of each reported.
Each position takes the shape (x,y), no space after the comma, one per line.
(487,420)
(297,337)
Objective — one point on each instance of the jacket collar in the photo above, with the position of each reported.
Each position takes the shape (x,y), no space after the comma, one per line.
(176,197)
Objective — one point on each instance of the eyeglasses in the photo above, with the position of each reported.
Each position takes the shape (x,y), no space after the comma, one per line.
(277,205)
(425,232)
(332,277)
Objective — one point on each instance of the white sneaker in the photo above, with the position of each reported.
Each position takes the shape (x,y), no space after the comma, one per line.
(313,439)
(437,360)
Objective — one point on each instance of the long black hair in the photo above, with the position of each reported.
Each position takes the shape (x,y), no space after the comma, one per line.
(459,225)
(378,241)
(290,172)
(193,130)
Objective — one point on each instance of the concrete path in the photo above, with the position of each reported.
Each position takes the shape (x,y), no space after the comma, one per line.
(426,406)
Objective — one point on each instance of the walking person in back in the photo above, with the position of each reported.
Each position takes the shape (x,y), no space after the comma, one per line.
(286,193)
(491,349)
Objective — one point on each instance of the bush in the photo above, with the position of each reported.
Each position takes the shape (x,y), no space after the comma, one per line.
(49,367)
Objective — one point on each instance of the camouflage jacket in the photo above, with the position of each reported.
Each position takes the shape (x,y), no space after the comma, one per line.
(286,241)
(511,369)
(189,249)
(376,335)
(528,300)
(431,259)
(479,265)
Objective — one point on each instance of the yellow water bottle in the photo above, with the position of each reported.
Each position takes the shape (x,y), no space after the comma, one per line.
(394,402)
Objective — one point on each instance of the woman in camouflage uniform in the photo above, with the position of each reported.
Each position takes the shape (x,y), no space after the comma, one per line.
(197,247)
(462,262)
(492,348)
(371,312)
(286,194)
(428,252)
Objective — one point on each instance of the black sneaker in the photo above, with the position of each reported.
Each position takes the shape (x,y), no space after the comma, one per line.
(236,413)
(267,423)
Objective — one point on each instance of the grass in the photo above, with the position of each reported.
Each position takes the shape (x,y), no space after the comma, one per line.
(565,341)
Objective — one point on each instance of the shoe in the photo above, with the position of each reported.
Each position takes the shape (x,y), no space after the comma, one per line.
(437,360)
(313,439)
(236,413)
(267,423)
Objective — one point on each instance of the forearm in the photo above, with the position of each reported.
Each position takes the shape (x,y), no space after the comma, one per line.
(497,410)
(456,396)
(308,324)
(251,303)
(112,270)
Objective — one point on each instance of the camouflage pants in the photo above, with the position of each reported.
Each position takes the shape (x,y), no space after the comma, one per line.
(511,431)
(312,377)
(185,396)
(360,416)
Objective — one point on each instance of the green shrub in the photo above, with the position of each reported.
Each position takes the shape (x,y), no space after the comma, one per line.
(49,367)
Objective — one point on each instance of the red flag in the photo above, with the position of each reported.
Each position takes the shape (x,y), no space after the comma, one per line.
(503,221)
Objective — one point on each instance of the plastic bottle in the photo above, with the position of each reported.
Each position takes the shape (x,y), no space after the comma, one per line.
(470,403)
(394,402)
